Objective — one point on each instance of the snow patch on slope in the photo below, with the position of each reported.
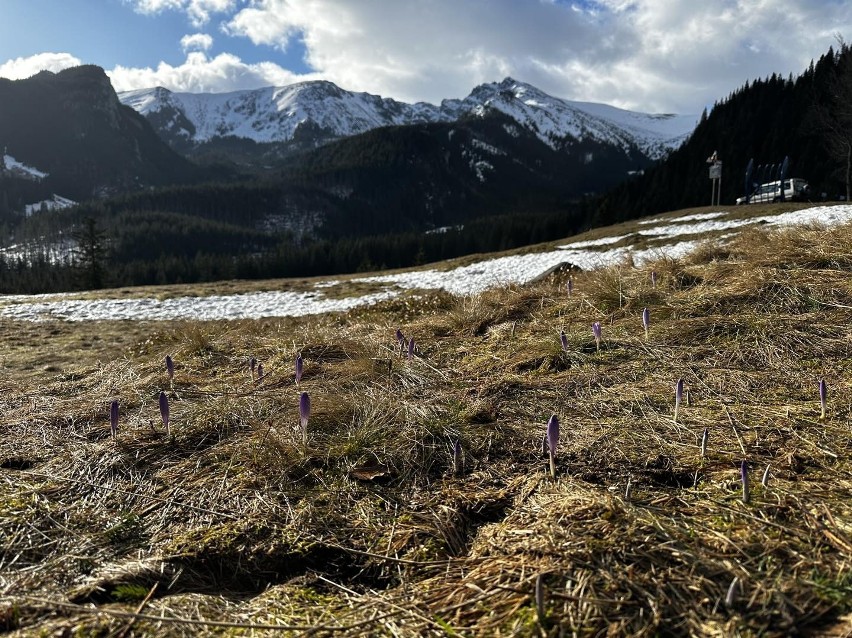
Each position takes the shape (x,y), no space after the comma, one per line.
(57,202)
(464,280)
(19,169)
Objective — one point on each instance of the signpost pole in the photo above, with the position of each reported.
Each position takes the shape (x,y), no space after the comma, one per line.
(715,179)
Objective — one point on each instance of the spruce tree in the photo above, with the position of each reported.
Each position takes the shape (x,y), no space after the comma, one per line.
(90,254)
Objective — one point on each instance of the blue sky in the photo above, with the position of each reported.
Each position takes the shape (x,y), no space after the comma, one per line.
(648,55)
(111,32)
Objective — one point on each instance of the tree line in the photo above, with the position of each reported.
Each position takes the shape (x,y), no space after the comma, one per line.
(807,118)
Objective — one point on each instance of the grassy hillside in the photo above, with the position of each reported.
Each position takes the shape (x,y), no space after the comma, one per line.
(231,524)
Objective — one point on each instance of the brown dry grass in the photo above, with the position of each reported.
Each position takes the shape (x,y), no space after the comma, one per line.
(234,527)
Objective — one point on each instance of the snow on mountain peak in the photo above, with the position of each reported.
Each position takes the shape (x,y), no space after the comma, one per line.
(274,114)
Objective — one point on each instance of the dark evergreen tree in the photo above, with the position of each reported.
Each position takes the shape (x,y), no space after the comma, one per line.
(90,254)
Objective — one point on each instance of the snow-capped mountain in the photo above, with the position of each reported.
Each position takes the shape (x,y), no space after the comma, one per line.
(556,121)
(317,112)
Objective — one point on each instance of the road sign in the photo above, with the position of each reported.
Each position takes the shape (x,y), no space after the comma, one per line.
(716,170)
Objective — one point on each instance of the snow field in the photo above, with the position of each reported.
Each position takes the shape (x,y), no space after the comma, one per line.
(464,280)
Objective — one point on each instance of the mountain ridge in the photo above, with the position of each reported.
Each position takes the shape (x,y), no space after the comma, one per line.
(320,111)
(71,126)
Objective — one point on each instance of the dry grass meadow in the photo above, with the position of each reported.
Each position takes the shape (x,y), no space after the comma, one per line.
(231,525)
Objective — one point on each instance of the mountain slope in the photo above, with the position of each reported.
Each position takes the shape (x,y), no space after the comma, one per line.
(308,113)
(71,126)
(421,177)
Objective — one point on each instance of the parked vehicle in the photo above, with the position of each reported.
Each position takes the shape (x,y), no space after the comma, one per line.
(795,190)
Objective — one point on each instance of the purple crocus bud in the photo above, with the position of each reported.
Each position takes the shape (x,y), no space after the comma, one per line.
(678,397)
(552,442)
(252,366)
(570,286)
(705,435)
(596,330)
(304,414)
(164,411)
(170,367)
(259,371)
(113,418)
(411,348)
(744,478)
(646,320)
(299,367)
(457,457)
(654,278)
(564,340)
(400,338)
(823,396)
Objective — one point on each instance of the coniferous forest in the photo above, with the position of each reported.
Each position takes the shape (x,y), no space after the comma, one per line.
(399,196)
(765,120)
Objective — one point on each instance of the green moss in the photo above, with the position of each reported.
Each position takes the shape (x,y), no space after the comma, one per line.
(834,588)
(128,593)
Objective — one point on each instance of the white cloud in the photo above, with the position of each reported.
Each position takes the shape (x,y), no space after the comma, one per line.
(202,74)
(199,12)
(196,42)
(20,68)
(649,55)
(655,55)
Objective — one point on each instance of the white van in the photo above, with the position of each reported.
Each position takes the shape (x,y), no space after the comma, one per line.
(795,189)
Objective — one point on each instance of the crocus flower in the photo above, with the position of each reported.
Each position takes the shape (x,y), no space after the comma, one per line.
(823,395)
(596,330)
(299,367)
(259,371)
(654,278)
(170,367)
(704,436)
(744,478)
(252,366)
(457,457)
(411,348)
(400,339)
(552,442)
(304,414)
(678,397)
(646,321)
(570,286)
(564,340)
(113,418)
(164,411)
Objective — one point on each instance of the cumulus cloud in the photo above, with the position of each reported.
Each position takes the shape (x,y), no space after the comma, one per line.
(202,74)
(649,54)
(20,68)
(199,12)
(196,42)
